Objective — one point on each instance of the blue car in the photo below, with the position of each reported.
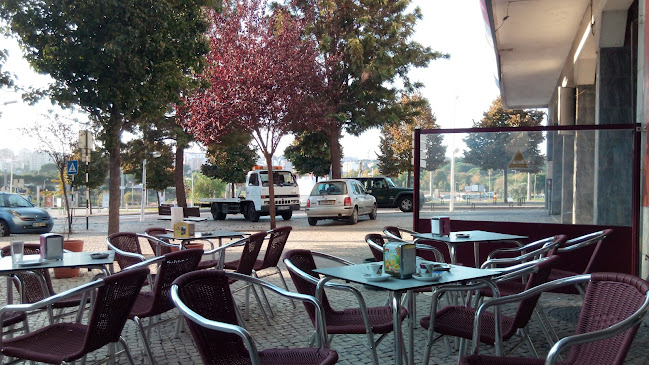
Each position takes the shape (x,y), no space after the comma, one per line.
(17,215)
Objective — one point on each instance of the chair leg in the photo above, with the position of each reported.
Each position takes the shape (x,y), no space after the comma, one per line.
(281,277)
(145,340)
(261,307)
(529,341)
(126,350)
(546,320)
(372,345)
(179,326)
(263,295)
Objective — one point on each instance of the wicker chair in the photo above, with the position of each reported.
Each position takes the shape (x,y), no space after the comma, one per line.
(426,249)
(205,299)
(31,289)
(277,239)
(361,320)
(66,342)
(152,304)
(614,306)
(458,320)
(578,245)
(159,250)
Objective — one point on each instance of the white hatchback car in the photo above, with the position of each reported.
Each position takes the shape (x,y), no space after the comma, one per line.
(339,199)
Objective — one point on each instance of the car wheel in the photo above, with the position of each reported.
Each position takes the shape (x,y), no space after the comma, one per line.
(287,215)
(4,229)
(253,215)
(405,204)
(354,217)
(374,212)
(313,221)
(219,216)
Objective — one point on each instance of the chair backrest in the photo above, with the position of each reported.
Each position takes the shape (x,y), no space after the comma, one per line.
(32,289)
(609,299)
(111,308)
(527,305)
(303,260)
(276,242)
(125,241)
(250,252)
(532,250)
(207,293)
(583,242)
(174,265)
(155,232)
(373,239)
(395,231)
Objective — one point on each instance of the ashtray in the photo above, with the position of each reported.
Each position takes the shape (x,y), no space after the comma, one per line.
(99,255)
(462,235)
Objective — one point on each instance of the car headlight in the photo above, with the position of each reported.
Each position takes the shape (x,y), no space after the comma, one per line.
(14,213)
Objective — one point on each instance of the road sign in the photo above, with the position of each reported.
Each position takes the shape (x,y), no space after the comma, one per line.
(73,167)
(518,161)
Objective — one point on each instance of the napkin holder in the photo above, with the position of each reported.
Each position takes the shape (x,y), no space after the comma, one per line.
(183,230)
(440,226)
(51,246)
(400,259)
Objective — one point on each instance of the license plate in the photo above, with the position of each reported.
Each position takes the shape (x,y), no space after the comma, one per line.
(283,207)
(326,202)
(40,224)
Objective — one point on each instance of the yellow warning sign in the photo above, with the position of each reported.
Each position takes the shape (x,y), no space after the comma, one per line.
(518,161)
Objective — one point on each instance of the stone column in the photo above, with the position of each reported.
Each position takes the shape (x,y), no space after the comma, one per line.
(584,162)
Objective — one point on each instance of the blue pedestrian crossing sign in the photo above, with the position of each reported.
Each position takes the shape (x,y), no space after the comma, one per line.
(73,167)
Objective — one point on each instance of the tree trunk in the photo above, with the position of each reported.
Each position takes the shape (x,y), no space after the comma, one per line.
(271,189)
(89,202)
(181,198)
(336,153)
(408,181)
(65,199)
(232,192)
(113,187)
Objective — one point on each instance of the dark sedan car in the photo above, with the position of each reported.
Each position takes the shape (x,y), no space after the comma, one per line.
(17,215)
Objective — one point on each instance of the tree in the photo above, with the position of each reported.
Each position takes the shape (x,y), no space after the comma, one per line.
(388,161)
(119,60)
(159,170)
(496,150)
(263,79)
(230,160)
(6,79)
(416,114)
(368,52)
(309,153)
(57,138)
(206,187)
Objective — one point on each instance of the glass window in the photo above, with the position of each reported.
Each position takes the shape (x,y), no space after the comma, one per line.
(280,178)
(330,188)
(17,201)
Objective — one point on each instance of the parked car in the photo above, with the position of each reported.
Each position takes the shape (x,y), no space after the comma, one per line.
(387,194)
(17,215)
(339,199)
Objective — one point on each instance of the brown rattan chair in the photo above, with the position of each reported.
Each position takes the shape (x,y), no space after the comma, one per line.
(361,320)
(154,303)
(458,320)
(277,239)
(31,289)
(157,249)
(205,299)
(65,342)
(578,246)
(614,306)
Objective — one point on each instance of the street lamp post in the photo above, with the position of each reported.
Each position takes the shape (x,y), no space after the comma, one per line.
(155,154)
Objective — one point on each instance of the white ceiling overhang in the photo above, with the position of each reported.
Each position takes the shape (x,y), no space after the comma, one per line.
(536,39)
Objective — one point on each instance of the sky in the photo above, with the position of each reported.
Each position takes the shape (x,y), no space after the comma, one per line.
(459,90)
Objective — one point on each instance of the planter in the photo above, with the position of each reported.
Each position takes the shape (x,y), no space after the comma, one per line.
(188,246)
(74,246)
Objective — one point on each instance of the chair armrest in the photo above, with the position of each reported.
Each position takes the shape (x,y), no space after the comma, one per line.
(602,334)
(331,258)
(439,257)
(236,243)
(582,241)
(124,253)
(146,263)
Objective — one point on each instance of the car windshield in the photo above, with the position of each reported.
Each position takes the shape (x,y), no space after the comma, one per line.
(14,201)
(280,178)
(330,188)
(390,183)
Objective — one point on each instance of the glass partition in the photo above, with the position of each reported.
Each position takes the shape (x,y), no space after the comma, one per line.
(560,175)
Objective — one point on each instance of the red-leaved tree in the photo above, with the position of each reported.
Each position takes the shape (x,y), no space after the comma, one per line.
(263,77)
